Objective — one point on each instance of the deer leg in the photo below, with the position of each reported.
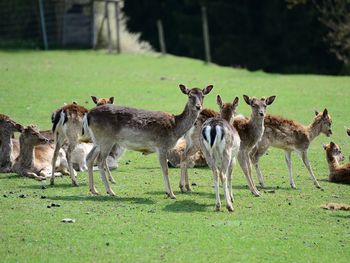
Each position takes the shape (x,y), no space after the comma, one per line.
(308,166)
(59,143)
(90,158)
(229,178)
(72,172)
(101,165)
(184,163)
(109,174)
(243,160)
(288,155)
(216,186)
(223,175)
(164,166)
(255,157)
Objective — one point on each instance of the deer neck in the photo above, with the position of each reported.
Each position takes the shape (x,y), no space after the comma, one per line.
(332,162)
(26,154)
(314,129)
(256,124)
(185,120)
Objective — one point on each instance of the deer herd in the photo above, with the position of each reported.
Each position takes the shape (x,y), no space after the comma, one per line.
(81,139)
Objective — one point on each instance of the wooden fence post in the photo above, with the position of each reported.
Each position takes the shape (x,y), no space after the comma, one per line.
(117,20)
(206,35)
(161,37)
(43,24)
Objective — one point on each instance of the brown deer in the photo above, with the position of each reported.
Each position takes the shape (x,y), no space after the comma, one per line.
(7,129)
(35,154)
(250,131)
(290,136)
(338,173)
(140,130)
(102,101)
(174,155)
(67,126)
(220,144)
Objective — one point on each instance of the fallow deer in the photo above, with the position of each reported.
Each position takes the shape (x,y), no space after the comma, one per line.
(34,159)
(220,144)
(290,136)
(338,173)
(67,125)
(102,101)
(250,131)
(7,129)
(140,130)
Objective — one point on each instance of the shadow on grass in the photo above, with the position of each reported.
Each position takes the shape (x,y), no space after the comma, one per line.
(74,198)
(186,206)
(47,186)
(9,176)
(342,216)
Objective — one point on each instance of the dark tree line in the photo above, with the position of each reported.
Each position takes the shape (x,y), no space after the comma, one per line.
(272,35)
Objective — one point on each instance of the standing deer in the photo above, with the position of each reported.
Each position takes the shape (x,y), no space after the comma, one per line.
(220,144)
(67,125)
(35,154)
(140,130)
(290,136)
(250,131)
(7,129)
(337,173)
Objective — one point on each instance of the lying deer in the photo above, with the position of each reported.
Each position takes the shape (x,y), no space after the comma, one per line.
(338,173)
(7,129)
(250,131)
(290,136)
(220,144)
(102,101)
(140,130)
(35,154)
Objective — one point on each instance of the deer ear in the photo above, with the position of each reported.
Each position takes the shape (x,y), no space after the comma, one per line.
(184,89)
(111,100)
(332,144)
(235,102)
(247,99)
(324,146)
(325,113)
(207,89)
(316,112)
(94,99)
(270,99)
(219,101)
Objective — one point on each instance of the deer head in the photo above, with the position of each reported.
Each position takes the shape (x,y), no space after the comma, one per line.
(325,121)
(258,105)
(228,109)
(31,136)
(102,101)
(9,126)
(333,150)
(195,96)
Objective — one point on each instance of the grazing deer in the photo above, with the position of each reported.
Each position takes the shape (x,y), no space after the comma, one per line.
(35,154)
(338,173)
(220,144)
(290,136)
(140,130)
(7,129)
(174,155)
(67,125)
(102,101)
(250,131)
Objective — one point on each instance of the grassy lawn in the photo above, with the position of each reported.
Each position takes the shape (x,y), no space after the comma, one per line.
(139,224)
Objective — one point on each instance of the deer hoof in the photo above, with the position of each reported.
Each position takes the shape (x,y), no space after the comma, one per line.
(94,192)
(75,184)
(256,194)
(217,207)
(111,193)
(188,188)
(230,208)
(182,189)
(171,195)
(293,186)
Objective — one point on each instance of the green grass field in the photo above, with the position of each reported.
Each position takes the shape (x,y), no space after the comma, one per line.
(139,224)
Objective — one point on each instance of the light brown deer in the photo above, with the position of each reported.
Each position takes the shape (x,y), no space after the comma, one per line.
(174,155)
(220,144)
(67,126)
(338,173)
(7,129)
(35,155)
(140,130)
(250,131)
(290,136)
